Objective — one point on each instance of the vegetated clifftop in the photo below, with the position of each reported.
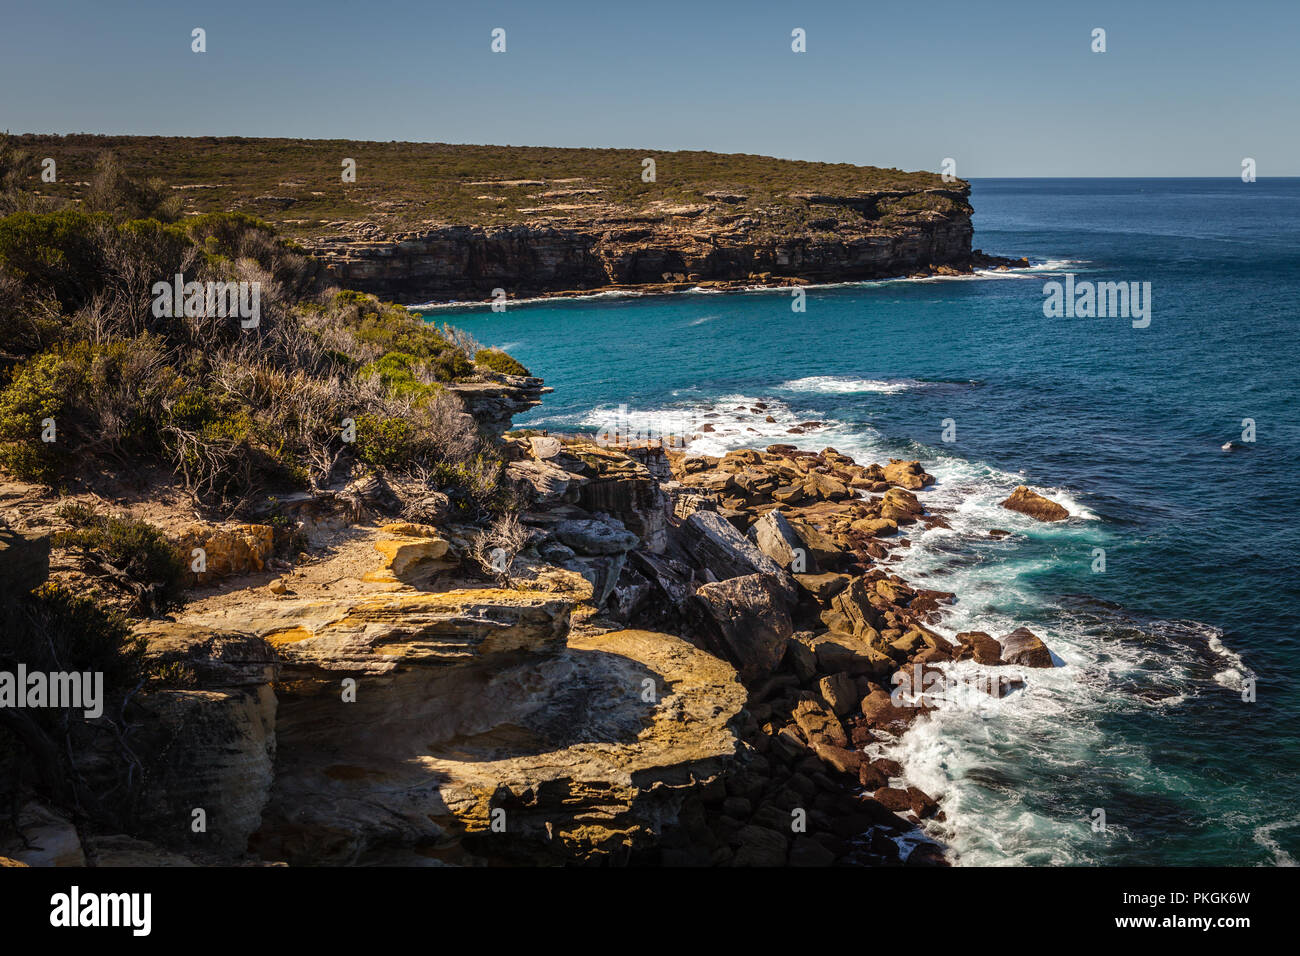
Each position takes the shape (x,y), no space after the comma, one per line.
(430,221)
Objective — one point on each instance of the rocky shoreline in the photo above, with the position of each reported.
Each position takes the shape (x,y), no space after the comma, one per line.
(680,662)
(462,264)
(762,282)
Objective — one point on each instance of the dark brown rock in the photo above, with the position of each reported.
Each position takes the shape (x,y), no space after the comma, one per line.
(1022,646)
(748,622)
(1035,505)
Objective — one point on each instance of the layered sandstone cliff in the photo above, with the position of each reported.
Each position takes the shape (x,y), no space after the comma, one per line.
(726,240)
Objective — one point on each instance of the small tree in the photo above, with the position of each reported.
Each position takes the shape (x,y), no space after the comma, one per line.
(495,548)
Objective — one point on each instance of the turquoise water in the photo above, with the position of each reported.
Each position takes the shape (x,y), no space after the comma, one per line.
(1123,425)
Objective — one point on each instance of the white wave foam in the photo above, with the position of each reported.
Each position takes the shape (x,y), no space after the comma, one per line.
(834,384)
(1264,837)
(1048,267)
(1235,675)
(486,304)
(716,426)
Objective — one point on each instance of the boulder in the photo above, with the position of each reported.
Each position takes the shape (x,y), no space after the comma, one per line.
(1035,505)
(854,603)
(717,546)
(903,501)
(805,851)
(922,804)
(541,482)
(907,474)
(894,592)
(778,540)
(593,536)
(979,647)
(544,447)
(840,759)
(839,692)
(1022,646)
(229,549)
(411,554)
(890,768)
(822,549)
(800,656)
(819,724)
(893,798)
(760,846)
(749,622)
(823,587)
(601,571)
(838,652)
(875,527)
(881,714)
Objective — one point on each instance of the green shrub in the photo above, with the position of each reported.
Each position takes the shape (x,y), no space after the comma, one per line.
(499,361)
(39,391)
(101,398)
(398,371)
(111,190)
(384,329)
(56,629)
(139,550)
(59,251)
(386,442)
(474,485)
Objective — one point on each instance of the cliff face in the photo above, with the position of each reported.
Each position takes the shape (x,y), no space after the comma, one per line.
(438,221)
(829,239)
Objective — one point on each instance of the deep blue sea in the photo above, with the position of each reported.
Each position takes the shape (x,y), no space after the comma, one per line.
(1145,720)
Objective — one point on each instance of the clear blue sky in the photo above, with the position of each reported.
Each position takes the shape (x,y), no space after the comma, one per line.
(1007,89)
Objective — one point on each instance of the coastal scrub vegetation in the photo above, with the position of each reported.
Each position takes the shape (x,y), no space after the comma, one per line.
(135,555)
(55,630)
(96,378)
(297,183)
(499,361)
(106,381)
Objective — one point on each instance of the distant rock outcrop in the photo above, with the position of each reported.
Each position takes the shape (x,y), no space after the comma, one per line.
(609,246)
(1035,505)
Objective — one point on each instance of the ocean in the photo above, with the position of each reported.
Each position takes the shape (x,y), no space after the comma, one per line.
(1139,748)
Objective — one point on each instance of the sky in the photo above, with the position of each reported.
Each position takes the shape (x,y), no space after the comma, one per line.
(1185,88)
